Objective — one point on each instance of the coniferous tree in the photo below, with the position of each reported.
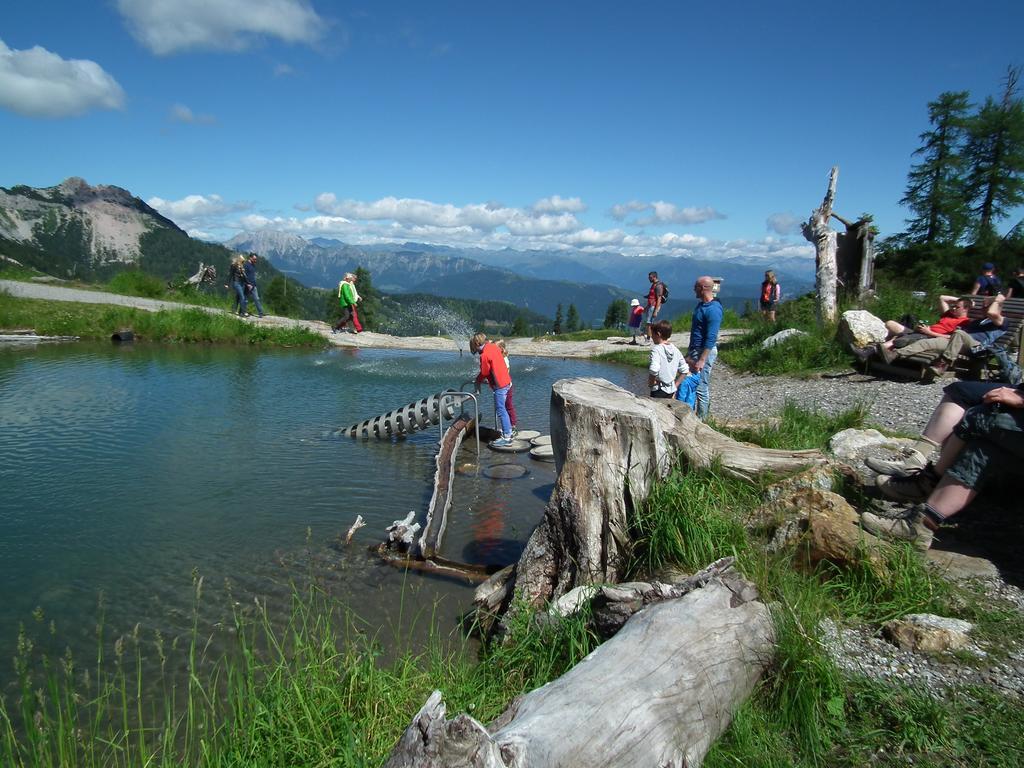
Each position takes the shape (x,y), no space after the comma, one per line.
(369,306)
(557,327)
(572,321)
(995,160)
(935,187)
(617,314)
(519,327)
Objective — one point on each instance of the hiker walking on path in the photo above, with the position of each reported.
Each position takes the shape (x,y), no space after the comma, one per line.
(703,349)
(655,298)
(636,315)
(771,295)
(667,365)
(236,280)
(250,281)
(347,298)
(494,371)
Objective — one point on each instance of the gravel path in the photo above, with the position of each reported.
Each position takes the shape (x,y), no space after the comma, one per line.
(895,405)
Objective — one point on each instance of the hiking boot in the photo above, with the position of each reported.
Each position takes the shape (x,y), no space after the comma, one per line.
(909,462)
(935,371)
(862,353)
(913,488)
(888,355)
(910,528)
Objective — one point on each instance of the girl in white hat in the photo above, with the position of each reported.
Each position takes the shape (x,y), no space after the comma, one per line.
(636,312)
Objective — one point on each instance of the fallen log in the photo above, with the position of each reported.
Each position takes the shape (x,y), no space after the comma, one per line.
(610,448)
(657,694)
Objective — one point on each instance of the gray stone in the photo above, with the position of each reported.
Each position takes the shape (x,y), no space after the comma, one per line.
(860,328)
(781,336)
(960,567)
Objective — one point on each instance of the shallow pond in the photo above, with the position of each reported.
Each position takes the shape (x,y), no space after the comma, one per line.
(129,471)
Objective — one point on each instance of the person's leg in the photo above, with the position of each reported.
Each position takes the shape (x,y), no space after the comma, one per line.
(346,315)
(704,387)
(255,293)
(499,407)
(510,407)
(923,351)
(242,303)
(355,320)
(894,328)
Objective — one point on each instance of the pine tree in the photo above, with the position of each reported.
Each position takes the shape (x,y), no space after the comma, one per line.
(995,160)
(557,327)
(935,186)
(369,306)
(572,322)
(617,314)
(519,327)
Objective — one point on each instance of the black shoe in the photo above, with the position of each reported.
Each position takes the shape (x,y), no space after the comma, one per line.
(888,355)
(862,353)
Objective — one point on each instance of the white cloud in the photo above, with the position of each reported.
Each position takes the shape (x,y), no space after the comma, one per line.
(168,26)
(283,70)
(38,83)
(663,213)
(485,217)
(198,212)
(182,114)
(556,204)
(622,210)
(784,223)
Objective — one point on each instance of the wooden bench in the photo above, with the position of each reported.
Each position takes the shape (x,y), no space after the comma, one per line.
(967,366)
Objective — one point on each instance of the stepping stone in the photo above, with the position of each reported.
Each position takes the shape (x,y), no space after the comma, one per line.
(506,471)
(527,434)
(517,446)
(543,453)
(545,440)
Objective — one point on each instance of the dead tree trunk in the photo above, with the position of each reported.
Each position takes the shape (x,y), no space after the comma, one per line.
(817,230)
(657,694)
(610,448)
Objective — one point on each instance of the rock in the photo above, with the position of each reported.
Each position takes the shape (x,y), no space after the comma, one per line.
(960,567)
(781,336)
(852,443)
(928,633)
(834,532)
(860,328)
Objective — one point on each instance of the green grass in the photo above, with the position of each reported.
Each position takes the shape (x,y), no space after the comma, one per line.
(98,321)
(798,428)
(637,358)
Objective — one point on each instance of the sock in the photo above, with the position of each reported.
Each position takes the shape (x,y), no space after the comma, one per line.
(932,515)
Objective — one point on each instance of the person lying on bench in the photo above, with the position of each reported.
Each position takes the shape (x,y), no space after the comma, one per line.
(939,352)
(988,443)
(952,314)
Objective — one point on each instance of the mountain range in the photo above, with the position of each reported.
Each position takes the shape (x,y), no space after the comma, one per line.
(74,229)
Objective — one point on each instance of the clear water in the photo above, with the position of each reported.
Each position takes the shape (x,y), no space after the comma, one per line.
(126,471)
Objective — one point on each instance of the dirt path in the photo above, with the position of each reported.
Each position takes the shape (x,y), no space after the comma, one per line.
(542,347)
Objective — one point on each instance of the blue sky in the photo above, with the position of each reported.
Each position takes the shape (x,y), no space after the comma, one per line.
(705,130)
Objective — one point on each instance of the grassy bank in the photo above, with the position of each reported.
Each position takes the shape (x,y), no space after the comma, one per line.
(322,691)
(99,321)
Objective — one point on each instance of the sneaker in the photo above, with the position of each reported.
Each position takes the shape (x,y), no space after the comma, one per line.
(501,442)
(910,461)
(910,489)
(910,528)
(515,433)
(935,371)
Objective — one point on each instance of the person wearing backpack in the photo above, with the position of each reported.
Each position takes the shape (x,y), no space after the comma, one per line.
(771,295)
(656,296)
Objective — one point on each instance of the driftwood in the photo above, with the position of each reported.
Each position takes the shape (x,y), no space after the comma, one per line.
(657,694)
(817,230)
(402,533)
(610,448)
(444,476)
(359,523)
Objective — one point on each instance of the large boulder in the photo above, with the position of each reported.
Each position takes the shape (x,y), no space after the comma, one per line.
(860,328)
(781,336)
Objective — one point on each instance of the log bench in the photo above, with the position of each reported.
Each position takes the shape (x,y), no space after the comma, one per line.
(966,366)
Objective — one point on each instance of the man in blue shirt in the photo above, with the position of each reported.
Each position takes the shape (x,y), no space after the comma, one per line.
(250,282)
(703,349)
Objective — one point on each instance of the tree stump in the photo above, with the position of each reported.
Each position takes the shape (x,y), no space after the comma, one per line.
(610,448)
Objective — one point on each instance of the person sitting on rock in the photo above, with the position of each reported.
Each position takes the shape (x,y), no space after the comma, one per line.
(987,443)
(940,350)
